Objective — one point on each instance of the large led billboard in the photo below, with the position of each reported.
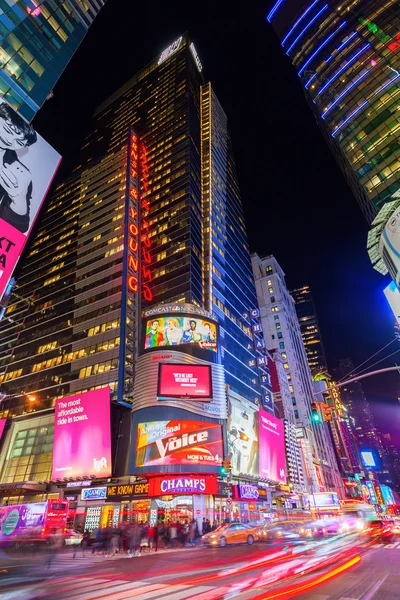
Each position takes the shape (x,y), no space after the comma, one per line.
(27,166)
(177,330)
(182,380)
(178,443)
(243,436)
(272,447)
(82,435)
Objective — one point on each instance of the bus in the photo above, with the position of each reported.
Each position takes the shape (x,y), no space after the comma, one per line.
(32,522)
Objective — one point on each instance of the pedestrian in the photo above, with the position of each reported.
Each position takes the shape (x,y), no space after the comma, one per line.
(85,541)
(151,535)
(54,542)
(160,532)
(192,532)
(173,533)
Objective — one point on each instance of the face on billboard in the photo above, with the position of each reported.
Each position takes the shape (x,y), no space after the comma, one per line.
(82,435)
(179,443)
(176,380)
(243,437)
(27,166)
(272,447)
(176,330)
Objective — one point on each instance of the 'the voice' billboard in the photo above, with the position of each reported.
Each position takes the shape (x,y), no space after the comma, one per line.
(82,435)
(272,463)
(177,380)
(179,443)
(27,166)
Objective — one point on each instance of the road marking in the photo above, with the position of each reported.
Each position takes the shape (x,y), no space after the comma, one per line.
(391,545)
(376,545)
(105,591)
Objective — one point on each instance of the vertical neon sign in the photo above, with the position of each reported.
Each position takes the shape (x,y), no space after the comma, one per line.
(144,227)
(133,218)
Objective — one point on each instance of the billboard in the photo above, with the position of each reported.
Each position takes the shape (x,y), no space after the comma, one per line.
(178,443)
(393,297)
(22,518)
(272,447)
(243,436)
(324,500)
(82,435)
(2,425)
(177,330)
(368,459)
(27,166)
(178,380)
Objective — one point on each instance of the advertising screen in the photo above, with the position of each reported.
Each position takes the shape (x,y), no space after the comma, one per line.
(21,518)
(27,166)
(243,436)
(176,380)
(178,443)
(272,447)
(393,297)
(176,330)
(323,500)
(82,435)
(2,425)
(368,458)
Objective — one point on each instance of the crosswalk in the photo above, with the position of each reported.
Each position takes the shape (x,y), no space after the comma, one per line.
(94,588)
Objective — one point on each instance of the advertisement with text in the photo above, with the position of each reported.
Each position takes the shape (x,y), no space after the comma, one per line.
(27,166)
(176,330)
(179,443)
(82,435)
(272,447)
(243,436)
(178,380)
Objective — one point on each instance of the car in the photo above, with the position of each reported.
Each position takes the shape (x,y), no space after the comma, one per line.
(279,531)
(378,530)
(232,533)
(73,538)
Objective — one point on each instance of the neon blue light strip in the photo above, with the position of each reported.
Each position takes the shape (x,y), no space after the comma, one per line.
(310,80)
(386,84)
(349,117)
(341,46)
(306,27)
(345,92)
(299,21)
(351,60)
(328,39)
(273,10)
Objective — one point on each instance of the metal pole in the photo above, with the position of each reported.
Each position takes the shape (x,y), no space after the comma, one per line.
(355,378)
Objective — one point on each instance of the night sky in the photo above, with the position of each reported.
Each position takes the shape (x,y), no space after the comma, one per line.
(296,202)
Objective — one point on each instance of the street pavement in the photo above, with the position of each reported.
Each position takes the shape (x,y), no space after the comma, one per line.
(259,572)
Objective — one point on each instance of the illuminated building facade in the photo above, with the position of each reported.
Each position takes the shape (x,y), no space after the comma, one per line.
(346,56)
(309,328)
(152,208)
(283,335)
(38,39)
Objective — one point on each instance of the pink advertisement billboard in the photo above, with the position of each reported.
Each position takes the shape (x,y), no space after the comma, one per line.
(82,435)
(27,166)
(272,462)
(2,425)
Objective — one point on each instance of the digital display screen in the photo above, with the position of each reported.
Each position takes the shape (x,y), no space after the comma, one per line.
(272,447)
(177,330)
(82,435)
(368,459)
(27,167)
(180,380)
(179,443)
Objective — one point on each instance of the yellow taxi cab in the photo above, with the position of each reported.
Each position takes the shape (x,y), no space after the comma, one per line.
(232,533)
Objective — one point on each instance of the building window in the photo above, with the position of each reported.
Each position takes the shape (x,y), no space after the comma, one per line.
(271,290)
(272,299)
(278,325)
(296,414)
(268,270)
(282,345)
(284,356)
(294,401)
(269,282)
(274,309)
(286,365)
(280,335)
(291,388)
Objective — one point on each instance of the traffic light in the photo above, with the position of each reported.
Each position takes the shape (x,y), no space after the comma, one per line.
(327,412)
(226,467)
(315,416)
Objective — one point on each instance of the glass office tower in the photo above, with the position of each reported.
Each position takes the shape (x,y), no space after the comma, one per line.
(310,330)
(37,40)
(77,332)
(347,56)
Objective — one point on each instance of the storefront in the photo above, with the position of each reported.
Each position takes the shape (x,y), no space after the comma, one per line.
(250,503)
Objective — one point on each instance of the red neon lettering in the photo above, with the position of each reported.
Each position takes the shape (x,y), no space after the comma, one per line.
(133,229)
(147,293)
(133,283)
(145,225)
(146,241)
(145,204)
(146,273)
(134,138)
(133,263)
(132,212)
(134,194)
(133,245)
(133,173)
(146,256)
(134,155)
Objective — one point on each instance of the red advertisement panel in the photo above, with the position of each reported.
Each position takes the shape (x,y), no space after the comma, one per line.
(178,443)
(177,380)
(27,166)
(82,435)
(192,484)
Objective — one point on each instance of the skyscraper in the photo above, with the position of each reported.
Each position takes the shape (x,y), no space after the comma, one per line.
(38,39)
(283,335)
(162,137)
(309,328)
(346,56)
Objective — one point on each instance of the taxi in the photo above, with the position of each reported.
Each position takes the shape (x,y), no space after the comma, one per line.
(232,533)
